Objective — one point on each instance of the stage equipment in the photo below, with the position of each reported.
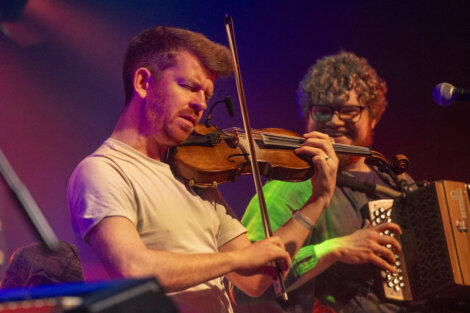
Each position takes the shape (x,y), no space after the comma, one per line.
(115,296)
(435,259)
(444,94)
(24,199)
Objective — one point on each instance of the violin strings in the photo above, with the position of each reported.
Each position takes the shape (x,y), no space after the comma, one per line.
(271,135)
(295,141)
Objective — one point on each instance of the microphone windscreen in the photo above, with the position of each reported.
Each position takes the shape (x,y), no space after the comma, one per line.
(229,104)
(442,94)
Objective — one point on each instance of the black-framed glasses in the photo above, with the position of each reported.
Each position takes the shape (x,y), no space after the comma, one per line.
(347,113)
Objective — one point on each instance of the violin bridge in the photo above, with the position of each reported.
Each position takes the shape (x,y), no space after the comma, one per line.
(233,140)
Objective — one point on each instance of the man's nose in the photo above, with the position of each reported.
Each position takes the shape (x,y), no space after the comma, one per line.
(335,119)
(198,103)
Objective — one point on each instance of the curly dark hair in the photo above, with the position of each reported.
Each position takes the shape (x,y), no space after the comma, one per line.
(156,48)
(331,79)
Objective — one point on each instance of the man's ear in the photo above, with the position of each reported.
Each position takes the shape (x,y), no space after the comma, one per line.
(373,122)
(142,81)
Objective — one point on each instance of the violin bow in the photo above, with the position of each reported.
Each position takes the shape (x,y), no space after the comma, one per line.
(278,283)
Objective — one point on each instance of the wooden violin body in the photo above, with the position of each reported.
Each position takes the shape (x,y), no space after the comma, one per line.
(211,156)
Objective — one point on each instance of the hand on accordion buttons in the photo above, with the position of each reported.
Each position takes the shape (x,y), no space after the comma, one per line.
(369,245)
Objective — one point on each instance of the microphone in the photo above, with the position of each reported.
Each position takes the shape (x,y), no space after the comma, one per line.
(445,94)
(228,104)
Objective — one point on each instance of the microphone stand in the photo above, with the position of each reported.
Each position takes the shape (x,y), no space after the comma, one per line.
(27,203)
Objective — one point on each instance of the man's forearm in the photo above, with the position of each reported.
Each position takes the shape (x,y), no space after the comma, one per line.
(124,254)
(293,233)
(179,271)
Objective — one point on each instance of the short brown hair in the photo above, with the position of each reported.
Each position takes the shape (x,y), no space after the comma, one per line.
(331,79)
(155,49)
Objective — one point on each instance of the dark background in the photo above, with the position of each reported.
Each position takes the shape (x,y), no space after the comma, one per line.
(61,90)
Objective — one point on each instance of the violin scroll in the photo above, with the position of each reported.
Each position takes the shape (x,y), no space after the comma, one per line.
(398,165)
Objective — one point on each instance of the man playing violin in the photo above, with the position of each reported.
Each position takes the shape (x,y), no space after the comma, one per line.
(343,97)
(140,220)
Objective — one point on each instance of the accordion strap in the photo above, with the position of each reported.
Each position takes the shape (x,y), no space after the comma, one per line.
(350,181)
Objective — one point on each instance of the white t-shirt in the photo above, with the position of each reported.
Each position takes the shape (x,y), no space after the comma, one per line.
(117,180)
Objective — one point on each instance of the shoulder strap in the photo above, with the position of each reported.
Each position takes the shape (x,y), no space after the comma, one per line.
(348,180)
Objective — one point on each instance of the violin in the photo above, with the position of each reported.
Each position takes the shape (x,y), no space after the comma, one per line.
(211,156)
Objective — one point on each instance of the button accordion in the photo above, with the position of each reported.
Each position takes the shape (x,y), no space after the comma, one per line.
(435,257)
